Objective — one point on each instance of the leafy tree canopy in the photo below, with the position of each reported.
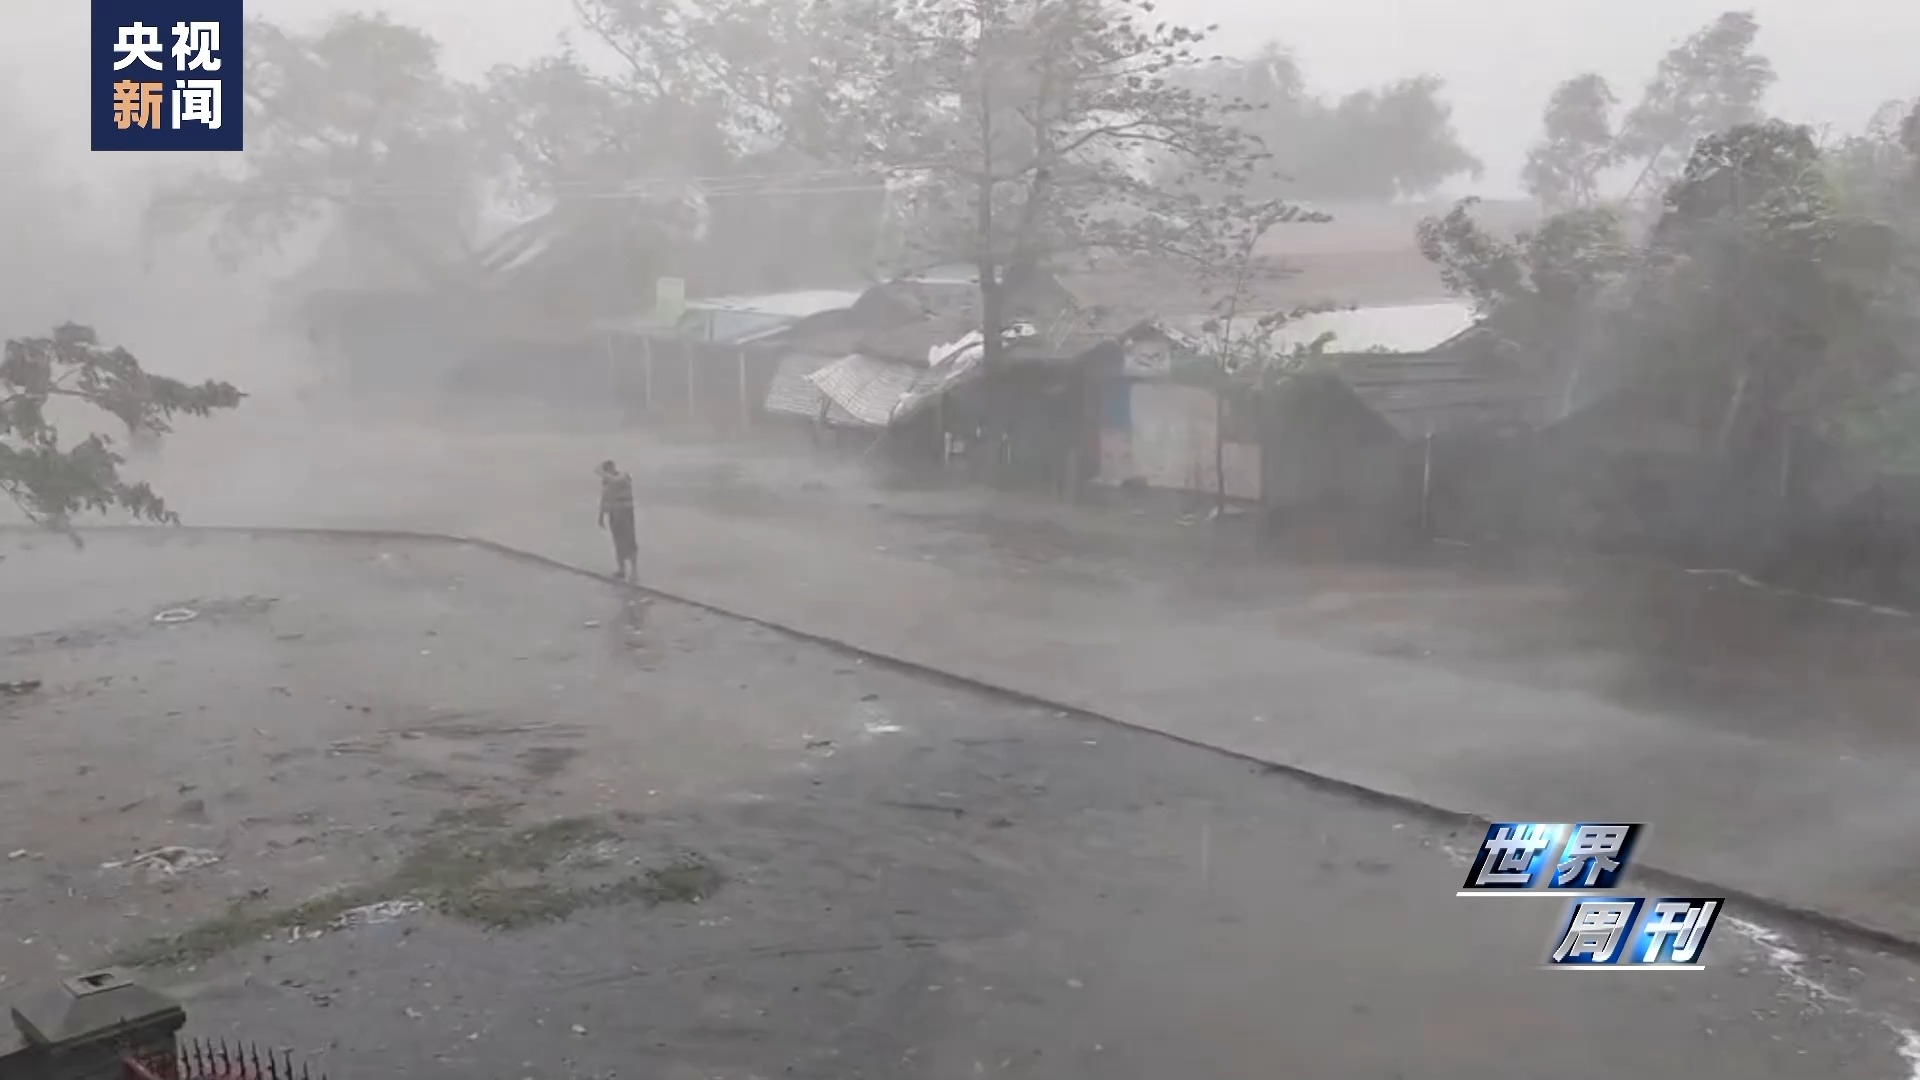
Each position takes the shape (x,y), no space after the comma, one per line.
(355,125)
(1008,132)
(1373,145)
(1029,132)
(1564,168)
(1758,304)
(1709,82)
(52,482)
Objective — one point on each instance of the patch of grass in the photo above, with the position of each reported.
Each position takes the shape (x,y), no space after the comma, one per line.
(482,816)
(457,873)
(686,880)
(244,923)
(543,845)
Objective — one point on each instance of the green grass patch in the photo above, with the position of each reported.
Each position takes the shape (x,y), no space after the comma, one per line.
(475,869)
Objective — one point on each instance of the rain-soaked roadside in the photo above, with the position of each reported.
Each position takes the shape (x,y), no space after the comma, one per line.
(1770,738)
(432,812)
(1692,642)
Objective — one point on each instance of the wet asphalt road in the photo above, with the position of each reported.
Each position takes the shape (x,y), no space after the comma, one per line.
(922,881)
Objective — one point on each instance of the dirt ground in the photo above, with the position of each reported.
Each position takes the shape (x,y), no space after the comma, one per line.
(419,809)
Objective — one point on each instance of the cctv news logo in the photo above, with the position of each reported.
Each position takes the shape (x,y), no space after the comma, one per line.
(167,74)
(1584,863)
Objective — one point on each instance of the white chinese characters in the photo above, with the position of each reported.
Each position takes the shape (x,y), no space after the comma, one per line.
(137,44)
(1676,930)
(196,101)
(195,45)
(1592,849)
(192,102)
(1596,931)
(1528,858)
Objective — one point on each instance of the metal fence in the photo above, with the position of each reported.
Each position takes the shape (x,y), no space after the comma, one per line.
(199,1059)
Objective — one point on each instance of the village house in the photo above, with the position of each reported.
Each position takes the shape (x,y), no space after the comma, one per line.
(707,362)
(905,365)
(1105,382)
(1353,433)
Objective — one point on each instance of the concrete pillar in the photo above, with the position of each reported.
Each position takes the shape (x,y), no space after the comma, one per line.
(87,1026)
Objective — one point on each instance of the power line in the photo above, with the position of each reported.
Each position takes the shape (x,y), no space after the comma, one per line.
(794,182)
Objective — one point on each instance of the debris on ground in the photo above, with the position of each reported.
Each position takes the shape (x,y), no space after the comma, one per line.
(877,720)
(375,914)
(18,687)
(166,862)
(176,615)
(600,854)
(936,808)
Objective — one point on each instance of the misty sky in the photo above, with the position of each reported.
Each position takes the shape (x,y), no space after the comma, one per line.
(1837,59)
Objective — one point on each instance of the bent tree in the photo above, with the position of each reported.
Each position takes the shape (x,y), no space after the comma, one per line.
(51,483)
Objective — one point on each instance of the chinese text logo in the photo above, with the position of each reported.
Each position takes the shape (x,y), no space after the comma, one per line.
(166,75)
(1532,858)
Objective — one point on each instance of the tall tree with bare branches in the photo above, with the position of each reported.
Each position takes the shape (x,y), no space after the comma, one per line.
(1029,132)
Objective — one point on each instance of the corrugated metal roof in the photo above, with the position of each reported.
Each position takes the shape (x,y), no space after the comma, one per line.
(913,342)
(1390,328)
(946,274)
(739,320)
(1396,328)
(920,342)
(1436,393)
(792,305)
(729,326)
(880,393)
(793,393)
(869,389)
(597,227)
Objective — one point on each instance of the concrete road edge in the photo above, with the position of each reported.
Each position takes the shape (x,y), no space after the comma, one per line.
(1669,881)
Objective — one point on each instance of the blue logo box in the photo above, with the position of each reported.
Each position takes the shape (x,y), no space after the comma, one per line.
(167,75)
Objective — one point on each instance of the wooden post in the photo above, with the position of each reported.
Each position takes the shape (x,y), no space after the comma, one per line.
(1786,466)
(615,391)
(1783,506)
(746,405)
(1426,483)
(646,359)
(1219,453)
(1264,409)
(693,395)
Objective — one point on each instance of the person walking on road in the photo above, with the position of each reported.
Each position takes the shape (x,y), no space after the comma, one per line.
(616,515)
